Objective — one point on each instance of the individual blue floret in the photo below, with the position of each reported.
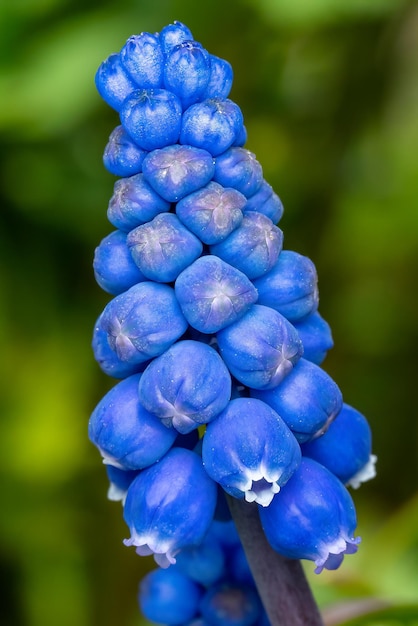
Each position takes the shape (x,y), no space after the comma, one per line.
(346,448)
(265,201)
(212,294)
(122,157)
(167,596)
(230,604)
(143,322)
(212,212)
(119,481)
(163,247)
(114,268)
(205,563)
(125,433)
(221,77)
(134,202)
(107,358)
(308,400)
(187,72)
(174,34)
(187,386)
(143,60)
(316,337)
(313,517)
(170,506)
(239,168)
(290,287)
(152,118)
(213,125)
(113,82)
(176,171)
(250,451)
(253,247)
(261,348)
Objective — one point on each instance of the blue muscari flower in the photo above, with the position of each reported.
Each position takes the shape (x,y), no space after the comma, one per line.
(213,125)
(316,337)
(170,506)
(239,168)
(205,563)
(308,400)
(230,604)
(125,433)
(113,82)
(265,201)
(313,517)
(122,156)
(143,322)
(212,294)
(346,448)
(260,239)
(169,597)
(174,34)
(176,171)
(134,202)
(212,212)
(163,247)
(220,80)
(261,348)
(187,72)
(187,386)
(119,481)
(152,118)
(107,358)
(249,451)
(114,268)
(143,60)
(290,287)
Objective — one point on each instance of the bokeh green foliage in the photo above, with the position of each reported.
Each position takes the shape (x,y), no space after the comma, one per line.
(329,95)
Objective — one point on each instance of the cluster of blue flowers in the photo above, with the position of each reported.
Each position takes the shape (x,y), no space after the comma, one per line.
(215,333)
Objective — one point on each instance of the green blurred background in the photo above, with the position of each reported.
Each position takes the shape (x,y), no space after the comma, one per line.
(329,92)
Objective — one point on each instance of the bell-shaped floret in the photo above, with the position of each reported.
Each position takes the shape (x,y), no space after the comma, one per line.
(107,359)
(114,268)
(220,80)
(212,212)
(213,125)
(212,294)
(143,322)
(267,202)
(163,247)
(346,448)
(119,481)
(253,247)
(231,604)
(166,596)
(187,386)
(176,171)
(308,400)
(316,337)
(125,433)
(313,517)
(122,157)
(152,117)
(134,202)
(290,287)
(187,72)
(205,563)
(113,82)
(250,451)
(143,59)
(174,34)
(239,168)
(261,348)
(169,506)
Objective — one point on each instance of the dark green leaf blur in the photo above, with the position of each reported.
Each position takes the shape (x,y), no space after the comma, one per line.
(329,92)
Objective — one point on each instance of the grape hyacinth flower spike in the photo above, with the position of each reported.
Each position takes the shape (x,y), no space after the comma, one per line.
(224,438)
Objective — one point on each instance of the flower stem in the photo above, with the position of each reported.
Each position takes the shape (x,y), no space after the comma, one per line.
(281,582)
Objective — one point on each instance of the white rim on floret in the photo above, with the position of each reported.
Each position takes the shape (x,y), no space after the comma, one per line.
(110,460)
(164,554)
(260,486)
(332,554)
(367,472)
(116,494)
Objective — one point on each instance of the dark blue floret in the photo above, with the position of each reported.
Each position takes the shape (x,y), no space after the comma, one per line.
(316,337)
(174,34)
(187,72)
(267,202)
(113,82)
(229,604)
(143,60)
(107,358)
(122,157)
(114,268)
(240,169)
(221,77)
(167,596)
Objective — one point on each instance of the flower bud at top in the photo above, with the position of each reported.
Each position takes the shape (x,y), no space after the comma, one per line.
(316,337)
(114,268)
(187,72)
(265,201)
(220,81)
(238,168)
(174,34)
(143,59)
(113,82)
(122,157)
